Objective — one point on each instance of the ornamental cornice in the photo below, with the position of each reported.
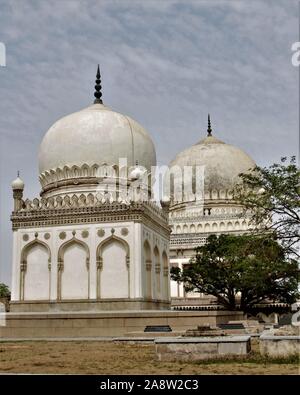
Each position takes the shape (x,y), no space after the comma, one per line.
(207,218)
(147,213)
(192,240)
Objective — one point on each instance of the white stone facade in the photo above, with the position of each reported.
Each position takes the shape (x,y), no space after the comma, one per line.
(108,261)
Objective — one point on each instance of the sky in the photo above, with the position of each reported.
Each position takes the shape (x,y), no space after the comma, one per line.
(165,63)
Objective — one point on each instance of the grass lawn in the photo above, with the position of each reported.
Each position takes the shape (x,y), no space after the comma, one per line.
(111,358)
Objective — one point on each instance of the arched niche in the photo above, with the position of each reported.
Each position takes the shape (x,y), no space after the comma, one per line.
(222,226)
(113,264)
(229,226)
(199,228)
(148,269)
(73,270)
(207,227)
(35,271)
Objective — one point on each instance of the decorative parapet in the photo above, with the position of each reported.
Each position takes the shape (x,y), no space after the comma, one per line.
(57,211)
(69,176)
(188,240)
(220,195)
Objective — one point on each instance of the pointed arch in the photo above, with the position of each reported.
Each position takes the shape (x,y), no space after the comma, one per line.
(85,170)
(75,171)
(116,269)
(41,273)
(207,227)
(222,226)
(229,226)
(66,171)
(76,269)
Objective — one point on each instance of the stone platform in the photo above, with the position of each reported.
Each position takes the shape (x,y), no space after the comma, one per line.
(198,348)
(281,342)
(106,323)
(94,306)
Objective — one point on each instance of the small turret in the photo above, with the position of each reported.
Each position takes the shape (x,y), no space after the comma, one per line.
(18,188)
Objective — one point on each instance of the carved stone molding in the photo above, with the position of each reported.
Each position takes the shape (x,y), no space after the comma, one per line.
(99,263)
(124,231)
(148,266)
(137,212)
(127,261)
(101,232)
(60,265)
(23,266)
(62,235)
(85,234)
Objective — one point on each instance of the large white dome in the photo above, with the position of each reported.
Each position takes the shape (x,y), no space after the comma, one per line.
(95,135)
(222,163)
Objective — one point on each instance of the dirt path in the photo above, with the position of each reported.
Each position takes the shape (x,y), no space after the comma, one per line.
(110,358)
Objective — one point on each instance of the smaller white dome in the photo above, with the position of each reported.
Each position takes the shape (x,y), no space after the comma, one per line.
(137,173)
(18,183)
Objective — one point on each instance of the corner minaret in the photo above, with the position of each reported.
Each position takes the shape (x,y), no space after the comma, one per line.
(18,188)
(209,130)
(98,93)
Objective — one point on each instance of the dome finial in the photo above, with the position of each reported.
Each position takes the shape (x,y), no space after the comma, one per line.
(98,93)
(209,130)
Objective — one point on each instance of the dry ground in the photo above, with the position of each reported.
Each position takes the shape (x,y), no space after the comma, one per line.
(110,358)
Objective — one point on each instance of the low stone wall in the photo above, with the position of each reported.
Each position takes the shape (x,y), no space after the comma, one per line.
(109,323)
(198,348)
(279,346)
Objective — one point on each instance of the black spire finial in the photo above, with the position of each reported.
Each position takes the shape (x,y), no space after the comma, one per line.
(209,130)
(98,93)
(18,173)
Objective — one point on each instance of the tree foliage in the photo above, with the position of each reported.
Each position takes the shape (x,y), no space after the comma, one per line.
(272,196)
(4,291)
(241,271)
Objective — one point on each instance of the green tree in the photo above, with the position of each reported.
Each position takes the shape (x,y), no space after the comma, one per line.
(241,271)
(272,197)
(4,291)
